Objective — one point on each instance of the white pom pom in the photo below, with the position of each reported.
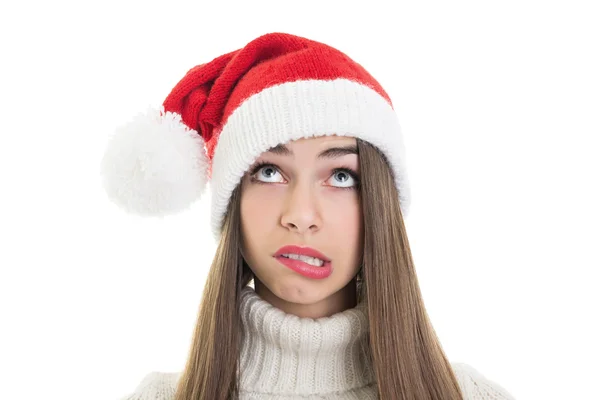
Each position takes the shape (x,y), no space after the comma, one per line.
(155,165)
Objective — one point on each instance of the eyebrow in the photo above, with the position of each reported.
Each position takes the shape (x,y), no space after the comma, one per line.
(332,152)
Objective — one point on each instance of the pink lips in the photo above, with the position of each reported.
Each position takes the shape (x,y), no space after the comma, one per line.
(304,251)
(307,270)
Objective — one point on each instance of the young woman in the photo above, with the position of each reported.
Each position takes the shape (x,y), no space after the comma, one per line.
(312,293)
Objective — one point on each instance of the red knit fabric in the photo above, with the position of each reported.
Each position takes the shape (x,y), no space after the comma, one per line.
(209,93)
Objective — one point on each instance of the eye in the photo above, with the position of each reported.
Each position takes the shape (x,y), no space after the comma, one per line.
(343,178)
(265,171)
(346,177)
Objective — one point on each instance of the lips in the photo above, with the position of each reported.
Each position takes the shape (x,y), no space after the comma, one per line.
(307,270)
(304,251)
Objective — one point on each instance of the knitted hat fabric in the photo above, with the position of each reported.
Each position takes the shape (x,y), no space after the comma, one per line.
(223,114)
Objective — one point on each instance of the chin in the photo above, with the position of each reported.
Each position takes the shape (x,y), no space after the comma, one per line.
(292,287)
(300,290)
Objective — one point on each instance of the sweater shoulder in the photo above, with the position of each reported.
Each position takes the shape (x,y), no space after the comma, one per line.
(475,386)
(155,386)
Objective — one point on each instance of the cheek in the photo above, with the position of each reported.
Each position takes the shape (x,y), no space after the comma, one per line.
(344,227)
(345,217)
(258,210)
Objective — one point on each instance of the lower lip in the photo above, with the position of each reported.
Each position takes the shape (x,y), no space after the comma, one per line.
(310,271)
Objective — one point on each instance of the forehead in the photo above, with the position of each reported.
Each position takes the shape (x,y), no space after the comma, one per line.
(321,146)
(313,144)
(320,141)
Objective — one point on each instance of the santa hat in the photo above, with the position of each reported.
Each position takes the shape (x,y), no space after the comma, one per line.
(223,114)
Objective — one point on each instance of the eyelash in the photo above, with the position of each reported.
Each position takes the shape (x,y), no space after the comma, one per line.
(262,164)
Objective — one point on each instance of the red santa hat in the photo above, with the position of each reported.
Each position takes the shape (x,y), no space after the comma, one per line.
(223,114)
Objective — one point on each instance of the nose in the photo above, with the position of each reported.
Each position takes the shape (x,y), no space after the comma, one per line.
(301,212)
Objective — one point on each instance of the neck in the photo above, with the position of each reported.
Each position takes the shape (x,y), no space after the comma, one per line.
(287,355)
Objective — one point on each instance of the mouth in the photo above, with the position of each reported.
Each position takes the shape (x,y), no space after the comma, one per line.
(314,261)
(309,267)
(306,254)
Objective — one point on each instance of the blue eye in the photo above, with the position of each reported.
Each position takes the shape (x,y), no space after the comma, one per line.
(346,177)
(267,171)
(263,170)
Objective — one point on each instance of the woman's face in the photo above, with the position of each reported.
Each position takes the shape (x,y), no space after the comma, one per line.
(294,196)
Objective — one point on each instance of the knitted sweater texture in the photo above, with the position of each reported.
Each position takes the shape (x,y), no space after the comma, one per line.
(285,357)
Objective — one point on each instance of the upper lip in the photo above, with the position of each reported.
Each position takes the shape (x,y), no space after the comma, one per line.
(305,251)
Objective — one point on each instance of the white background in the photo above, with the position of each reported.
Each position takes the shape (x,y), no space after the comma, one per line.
(499,103)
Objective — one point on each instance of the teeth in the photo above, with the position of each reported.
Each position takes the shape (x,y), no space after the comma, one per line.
(309,260)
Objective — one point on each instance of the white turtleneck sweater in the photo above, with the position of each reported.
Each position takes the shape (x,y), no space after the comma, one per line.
(285,357)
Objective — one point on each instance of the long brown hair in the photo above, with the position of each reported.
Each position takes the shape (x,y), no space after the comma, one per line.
(408,360)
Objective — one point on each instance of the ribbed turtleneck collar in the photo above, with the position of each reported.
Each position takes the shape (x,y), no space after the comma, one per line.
(286,356)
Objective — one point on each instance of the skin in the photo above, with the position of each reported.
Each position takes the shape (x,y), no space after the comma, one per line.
(302,200)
